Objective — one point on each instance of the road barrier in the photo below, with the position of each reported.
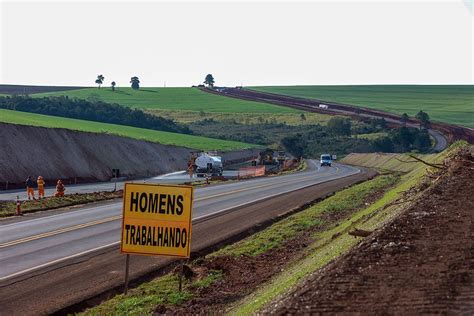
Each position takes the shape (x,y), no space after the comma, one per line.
(250,172)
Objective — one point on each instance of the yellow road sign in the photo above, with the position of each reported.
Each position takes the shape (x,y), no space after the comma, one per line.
(157,219)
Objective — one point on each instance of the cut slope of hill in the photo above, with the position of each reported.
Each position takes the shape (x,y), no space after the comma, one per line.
(448,103)
(58,153)
(166,138)
(190,99)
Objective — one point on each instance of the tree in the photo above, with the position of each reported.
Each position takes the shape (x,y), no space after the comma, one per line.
(424,119)
(303,117)
(339,126)
(402,138)
(295,144)
(422,140)
(209,80)
(99,80)
(404,119)
(112,84)
(384,144)
(135,83)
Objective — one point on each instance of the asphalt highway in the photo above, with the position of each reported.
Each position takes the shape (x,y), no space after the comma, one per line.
(32,244)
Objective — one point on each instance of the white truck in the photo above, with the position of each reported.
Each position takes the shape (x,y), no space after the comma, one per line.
(207,164)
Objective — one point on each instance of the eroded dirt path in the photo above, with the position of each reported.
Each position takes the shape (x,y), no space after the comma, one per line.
(421,263)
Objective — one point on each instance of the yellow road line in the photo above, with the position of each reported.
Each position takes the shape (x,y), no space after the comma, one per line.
(59,231)
(113,218)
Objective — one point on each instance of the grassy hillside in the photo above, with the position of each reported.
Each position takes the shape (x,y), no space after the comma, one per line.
(385,161)
(190,99)
(451,104)
(197,142)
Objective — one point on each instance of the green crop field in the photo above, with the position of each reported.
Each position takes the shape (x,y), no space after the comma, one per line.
(190,141)
(449,103)
(190,99)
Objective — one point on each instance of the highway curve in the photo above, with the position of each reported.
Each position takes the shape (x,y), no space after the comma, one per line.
(437,131)
(65,257)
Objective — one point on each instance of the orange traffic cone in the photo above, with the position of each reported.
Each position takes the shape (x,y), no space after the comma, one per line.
(18,206)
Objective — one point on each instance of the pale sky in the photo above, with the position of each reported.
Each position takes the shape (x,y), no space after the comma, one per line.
(249,43)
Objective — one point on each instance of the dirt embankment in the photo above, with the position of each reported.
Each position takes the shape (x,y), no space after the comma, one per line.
(421,263)
(71,155)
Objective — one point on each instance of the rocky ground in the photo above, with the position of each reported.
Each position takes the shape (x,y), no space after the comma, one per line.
(421,263)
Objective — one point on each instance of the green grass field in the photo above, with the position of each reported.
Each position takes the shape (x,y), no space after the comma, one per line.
(190,99)
(449,103)
(190,141)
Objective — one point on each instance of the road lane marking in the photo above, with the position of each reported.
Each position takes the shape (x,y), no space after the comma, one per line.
(59,231)
(117,217)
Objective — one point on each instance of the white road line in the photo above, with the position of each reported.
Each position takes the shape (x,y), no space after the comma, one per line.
(44,265)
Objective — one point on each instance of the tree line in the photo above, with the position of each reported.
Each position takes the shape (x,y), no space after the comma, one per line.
(135,82)
(96,111)
(337,138)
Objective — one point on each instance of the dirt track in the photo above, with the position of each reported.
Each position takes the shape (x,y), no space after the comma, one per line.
(422,263)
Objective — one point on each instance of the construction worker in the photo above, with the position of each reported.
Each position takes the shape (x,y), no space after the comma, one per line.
(40,183)
(30,188)
(59,189)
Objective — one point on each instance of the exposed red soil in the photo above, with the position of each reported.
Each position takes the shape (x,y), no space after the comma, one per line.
(421,263)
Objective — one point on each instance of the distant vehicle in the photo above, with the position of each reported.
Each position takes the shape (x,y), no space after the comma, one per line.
(208,164)
(323,106)
(326,160)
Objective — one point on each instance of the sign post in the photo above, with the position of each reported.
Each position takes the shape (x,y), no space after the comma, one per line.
(127,264)
(156,221)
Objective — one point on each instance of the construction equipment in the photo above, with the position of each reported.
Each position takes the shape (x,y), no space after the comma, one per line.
(266,157)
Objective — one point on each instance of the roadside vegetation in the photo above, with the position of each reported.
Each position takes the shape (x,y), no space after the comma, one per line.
(187,117)
(446,103)
(338,136)
(166,138)
(162,291)
(8,208)
(386,162)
